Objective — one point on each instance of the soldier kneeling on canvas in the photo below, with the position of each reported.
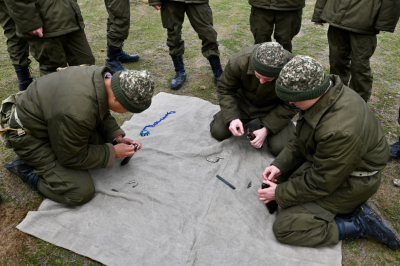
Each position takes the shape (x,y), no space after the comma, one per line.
(324,176)
(61,127)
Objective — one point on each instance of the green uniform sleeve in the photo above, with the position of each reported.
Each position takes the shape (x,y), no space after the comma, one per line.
(337,155)
(155,2)
(69,137)
(388,15)
(109,128)
(319,6)
(228,85)
(279,117)
(25,15)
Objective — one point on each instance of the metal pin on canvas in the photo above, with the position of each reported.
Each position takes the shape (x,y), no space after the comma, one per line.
(212,160)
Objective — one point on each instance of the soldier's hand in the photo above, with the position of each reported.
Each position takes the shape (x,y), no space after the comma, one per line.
(271,172)
(129,142)
(267,194)
(157,7)
(261,134)
(236,127)
(37,32)
(123,150)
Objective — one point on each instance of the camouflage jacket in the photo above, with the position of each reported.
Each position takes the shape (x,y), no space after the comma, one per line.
(339,134)
(238,88)
(56,17)
(282,5)
(67,108)
(362,16)
(159,2)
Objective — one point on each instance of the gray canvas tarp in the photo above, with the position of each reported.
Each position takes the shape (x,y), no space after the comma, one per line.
(180,213)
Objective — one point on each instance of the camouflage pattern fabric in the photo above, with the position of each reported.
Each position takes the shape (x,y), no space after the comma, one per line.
(271,54)
(301,79)
(133,89)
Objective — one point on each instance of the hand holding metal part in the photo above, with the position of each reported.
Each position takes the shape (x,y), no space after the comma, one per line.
(127,159)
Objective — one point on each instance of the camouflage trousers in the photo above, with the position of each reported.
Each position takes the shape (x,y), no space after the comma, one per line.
(349,55)
(18,48)
(287,25)
(201,19)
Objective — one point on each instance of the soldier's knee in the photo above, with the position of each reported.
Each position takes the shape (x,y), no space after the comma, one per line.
(280,232)
(219,131)
(80,196)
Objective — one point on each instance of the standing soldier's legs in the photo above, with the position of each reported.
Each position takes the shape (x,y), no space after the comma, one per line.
(287,25)
(339,53)
(118,23)
(276,142)
(77,49)
(18,48)
(262,24)
(362,48)
(50,54)
(201,19)
(172,17)
(70,49)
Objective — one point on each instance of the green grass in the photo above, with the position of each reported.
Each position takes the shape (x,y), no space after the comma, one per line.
(148,38)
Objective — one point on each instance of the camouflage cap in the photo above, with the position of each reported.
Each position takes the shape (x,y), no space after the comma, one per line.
(268,59)
(303,78)
(133,89)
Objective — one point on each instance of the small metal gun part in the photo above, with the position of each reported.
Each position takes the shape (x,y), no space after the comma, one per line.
(135,184)
(226,182)
(250,134)
(214,161)
(127,159)
(272,206)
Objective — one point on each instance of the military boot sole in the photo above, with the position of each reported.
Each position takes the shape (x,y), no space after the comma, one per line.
(382,229)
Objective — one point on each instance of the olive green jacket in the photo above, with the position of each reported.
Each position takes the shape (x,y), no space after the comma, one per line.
(281,5)
(67,109)
(56,17)
(159,2)
(239,89)
(362,16)
(339,134)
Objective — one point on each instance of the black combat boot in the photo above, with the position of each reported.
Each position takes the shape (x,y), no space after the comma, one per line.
(124,57)
(112,60)
(394,150)
(367,222)
(216,68)
(24,77)
(23,171)
(180,75)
